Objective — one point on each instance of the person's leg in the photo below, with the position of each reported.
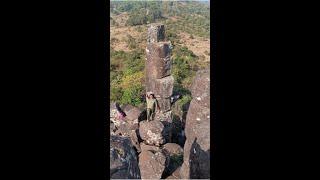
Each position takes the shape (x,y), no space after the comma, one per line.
(148,114)
(152,115)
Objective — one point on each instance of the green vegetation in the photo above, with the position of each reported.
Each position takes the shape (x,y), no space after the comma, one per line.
(127,76)
(127,68)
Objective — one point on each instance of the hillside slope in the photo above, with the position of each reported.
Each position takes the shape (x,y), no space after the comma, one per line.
(187,27)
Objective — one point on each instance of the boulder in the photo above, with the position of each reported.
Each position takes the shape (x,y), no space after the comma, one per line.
(152,164)
(125,127)
(153,132)
(173,149)
(166,120)
(123,159)
(164,116)
(132,112)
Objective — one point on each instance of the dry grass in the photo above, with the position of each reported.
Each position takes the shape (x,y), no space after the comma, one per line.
(197,45)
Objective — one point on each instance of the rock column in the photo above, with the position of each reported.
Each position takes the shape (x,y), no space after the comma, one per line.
(158,71)
(196,158)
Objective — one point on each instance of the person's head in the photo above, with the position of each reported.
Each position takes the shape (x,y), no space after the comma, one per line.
(152,96)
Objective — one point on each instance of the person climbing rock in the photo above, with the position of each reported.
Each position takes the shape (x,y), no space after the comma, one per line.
(120,114)
(152,105)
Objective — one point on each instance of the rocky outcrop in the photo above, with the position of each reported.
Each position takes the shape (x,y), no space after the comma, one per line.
(112,128)
(153,132)
(156,33)
(134,136)
(201,88)
(175,154)
(152,164)
(132,112)
(175,174)
(158,66)
(158,60)
(123,159)
(196,164)
(173,149)
(146,147)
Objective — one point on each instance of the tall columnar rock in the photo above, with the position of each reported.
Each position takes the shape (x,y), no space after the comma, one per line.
(196,161)
(158,66)
(123,159)
(156,33)
(158,60)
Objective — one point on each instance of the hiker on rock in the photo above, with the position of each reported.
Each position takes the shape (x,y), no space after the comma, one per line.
(152,105)
(120,114)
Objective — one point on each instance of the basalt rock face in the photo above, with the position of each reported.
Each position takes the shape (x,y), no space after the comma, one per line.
(200,89)
(156,33)
(152,164)
(196,164)
(158,63)
(158,66)
(154,132)
(175,174)
(175,154)
(132,112)
(123,159)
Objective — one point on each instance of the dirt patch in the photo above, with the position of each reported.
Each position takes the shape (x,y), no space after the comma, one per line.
(198,45)
(121,34)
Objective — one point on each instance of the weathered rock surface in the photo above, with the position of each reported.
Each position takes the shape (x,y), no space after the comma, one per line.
(175,154)
(178,135)
(152,164)
(164,104)
(125,127)
(159,62)
(163,88)
(135,140)
(132,112)
(173,149)
(181,110)
(156,33)
(123,159)
(153,132)
(175,174)
(145,147)
(112,128)
(113,113)
(196,164)
(166,120)
(200,89)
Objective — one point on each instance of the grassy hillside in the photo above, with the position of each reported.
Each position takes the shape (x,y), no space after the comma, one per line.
(187,27)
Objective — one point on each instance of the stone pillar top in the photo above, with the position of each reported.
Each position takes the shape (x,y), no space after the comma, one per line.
(156,33)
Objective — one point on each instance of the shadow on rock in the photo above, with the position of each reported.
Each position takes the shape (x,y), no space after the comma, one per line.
(200,162)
